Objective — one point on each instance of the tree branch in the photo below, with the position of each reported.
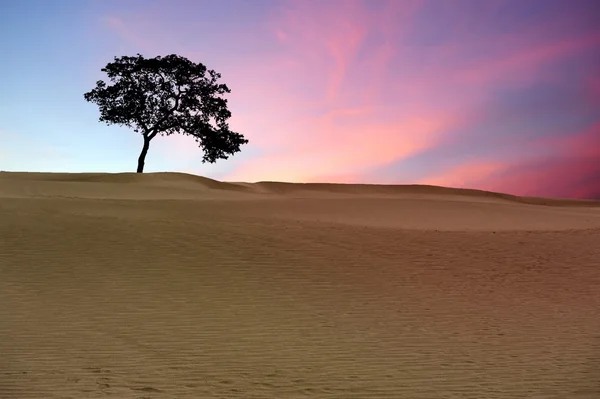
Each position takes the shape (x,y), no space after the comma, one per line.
(156,127)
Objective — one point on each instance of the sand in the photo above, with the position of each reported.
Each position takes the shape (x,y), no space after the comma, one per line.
(177,286)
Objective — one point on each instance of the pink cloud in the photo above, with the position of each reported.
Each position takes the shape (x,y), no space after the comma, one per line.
(512,59)
(326,146)
(594,89)
(329,42)
(339,89)
(343,49)
(561,177)
(322,41)
(572,170)
(466,174)
(583,144)
(526,63)
(350,127)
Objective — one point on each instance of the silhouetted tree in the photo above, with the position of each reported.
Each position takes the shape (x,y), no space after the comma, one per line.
(167,95)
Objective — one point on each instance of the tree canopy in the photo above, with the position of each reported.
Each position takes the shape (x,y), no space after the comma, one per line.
(167,95)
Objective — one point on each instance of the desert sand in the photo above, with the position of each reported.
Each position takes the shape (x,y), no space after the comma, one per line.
(175,286)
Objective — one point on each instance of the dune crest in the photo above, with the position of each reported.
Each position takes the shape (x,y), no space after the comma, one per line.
(184,181)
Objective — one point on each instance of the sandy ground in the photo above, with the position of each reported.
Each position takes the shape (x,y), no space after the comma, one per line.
(176,286)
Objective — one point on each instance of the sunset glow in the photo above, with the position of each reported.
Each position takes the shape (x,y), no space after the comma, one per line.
(499,95)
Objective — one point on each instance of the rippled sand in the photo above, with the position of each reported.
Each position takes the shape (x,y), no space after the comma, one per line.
(176,286)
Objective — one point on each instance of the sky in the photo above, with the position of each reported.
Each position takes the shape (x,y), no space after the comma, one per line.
(500,95)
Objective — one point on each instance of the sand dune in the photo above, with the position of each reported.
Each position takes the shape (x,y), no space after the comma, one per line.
(136,181)
(176,286)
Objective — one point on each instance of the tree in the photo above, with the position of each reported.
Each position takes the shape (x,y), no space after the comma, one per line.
(167,95)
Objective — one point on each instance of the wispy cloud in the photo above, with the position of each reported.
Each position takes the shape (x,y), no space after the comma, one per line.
(569,168)
(351,144)
(341,89)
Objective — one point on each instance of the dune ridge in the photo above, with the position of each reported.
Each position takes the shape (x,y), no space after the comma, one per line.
(195,182)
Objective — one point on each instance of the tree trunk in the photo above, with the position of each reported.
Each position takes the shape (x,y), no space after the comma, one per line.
(142,158)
